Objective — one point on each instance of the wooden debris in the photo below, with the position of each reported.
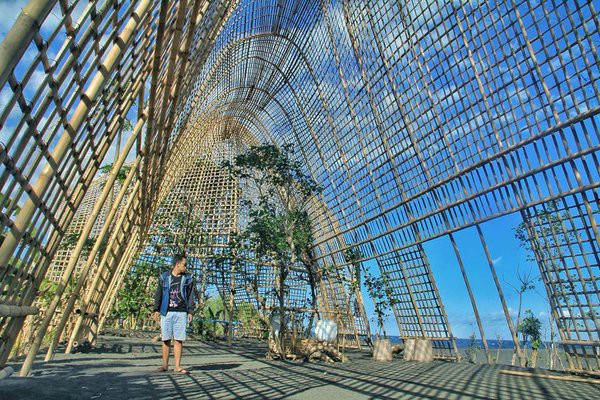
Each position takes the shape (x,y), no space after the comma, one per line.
(307,350)
(568,378)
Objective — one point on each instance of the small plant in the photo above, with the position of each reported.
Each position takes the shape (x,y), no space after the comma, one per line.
(499,340)
(134,302)
(377,287)
(526,283)
(531,330)
(472,349)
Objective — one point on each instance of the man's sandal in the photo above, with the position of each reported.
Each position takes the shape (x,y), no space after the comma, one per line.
(161,369)
(182,371)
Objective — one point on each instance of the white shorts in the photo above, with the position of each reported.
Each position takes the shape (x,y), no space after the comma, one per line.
(173,325)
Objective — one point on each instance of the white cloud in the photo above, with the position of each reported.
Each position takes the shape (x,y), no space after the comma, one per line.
(6,133)
(9,10)
(5,96)
(10,124)
(37,78)
(496,261)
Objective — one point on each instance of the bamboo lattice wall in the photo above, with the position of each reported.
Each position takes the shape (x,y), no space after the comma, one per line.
(419,118)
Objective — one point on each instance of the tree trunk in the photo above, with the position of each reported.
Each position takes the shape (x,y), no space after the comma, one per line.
(279,339)
(499,349)
(534,355)
(552,347)
(514,356)
(231,299)
(312,281)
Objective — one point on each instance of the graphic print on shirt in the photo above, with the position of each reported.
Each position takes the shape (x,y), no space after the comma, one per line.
(175,298)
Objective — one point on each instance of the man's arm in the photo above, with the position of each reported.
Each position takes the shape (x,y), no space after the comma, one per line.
(192,297)
(191,300)
(158,296)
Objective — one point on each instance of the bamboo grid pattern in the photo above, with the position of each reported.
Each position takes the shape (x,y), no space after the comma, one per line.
(419,118)
(86,208)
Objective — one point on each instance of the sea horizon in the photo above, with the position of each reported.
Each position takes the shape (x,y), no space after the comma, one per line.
(463,343)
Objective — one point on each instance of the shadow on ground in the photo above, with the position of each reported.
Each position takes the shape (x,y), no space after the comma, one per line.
(124,368)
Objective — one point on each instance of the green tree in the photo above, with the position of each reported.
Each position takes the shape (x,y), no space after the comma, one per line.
(214,309)
(121,174)
(543,235)
(377,287)
(135,299)
(531,331)
(279,227)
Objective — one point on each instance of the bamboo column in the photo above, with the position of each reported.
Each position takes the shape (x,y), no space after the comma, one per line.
(120,271)
(73,260)
(471,298)
(231,298)
(116,232)
(98,243)
(509,320)
(23,31)
(119,243)
(149,142)
(130,224)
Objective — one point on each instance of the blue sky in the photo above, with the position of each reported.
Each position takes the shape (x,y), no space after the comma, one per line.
(507,256)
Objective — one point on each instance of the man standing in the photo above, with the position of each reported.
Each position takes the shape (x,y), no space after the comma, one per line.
(174,302)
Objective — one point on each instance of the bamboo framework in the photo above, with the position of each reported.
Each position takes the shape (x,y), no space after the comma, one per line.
(61,258)
(419,119)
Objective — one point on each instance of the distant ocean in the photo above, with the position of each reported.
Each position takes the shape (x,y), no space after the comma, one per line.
(464,343)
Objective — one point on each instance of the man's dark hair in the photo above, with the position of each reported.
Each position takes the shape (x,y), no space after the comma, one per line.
(178,257)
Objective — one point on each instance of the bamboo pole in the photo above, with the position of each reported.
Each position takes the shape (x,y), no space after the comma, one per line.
(175,54)
(9,310)
(232,271)
(98,243)
(102,264)
(130,221)
(149,143)
(73,260)
(509,320)
(121,271)
(471,298)
(120,245)
(23,31)
(92,324)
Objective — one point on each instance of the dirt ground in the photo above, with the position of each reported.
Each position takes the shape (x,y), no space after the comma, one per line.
(124,368)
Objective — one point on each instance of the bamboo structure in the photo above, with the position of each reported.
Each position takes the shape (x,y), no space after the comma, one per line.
(420,119)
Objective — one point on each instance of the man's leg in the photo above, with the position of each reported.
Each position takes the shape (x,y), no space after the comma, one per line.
(166,347)
(166,327)
(179,336)
(177,349)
